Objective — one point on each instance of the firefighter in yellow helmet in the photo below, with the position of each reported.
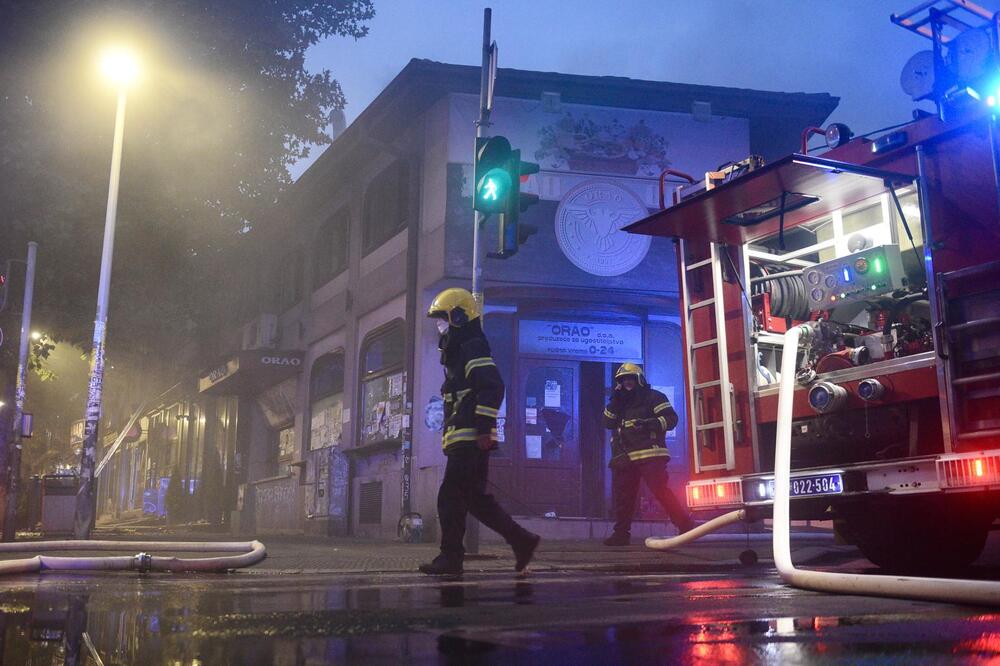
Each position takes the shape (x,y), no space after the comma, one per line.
(472,391)
(639,417)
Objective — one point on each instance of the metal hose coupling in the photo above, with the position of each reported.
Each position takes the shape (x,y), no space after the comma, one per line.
(143,562)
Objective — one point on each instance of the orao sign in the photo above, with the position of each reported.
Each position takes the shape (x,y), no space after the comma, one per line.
(287,361)
(588,341)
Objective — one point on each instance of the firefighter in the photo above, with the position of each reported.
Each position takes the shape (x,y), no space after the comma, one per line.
(473,391)
(639,418)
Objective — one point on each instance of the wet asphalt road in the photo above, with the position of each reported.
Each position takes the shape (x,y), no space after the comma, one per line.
(729,616)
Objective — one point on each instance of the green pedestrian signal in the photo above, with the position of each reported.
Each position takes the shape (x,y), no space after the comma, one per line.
(493,180)
(514,233)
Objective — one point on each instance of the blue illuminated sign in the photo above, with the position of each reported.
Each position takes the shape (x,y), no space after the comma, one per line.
(847,274)
(585,341)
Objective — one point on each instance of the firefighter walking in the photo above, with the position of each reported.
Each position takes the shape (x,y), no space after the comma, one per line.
(472,391)
(639,417)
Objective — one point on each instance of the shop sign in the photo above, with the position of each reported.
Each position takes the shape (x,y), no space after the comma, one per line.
(585,341)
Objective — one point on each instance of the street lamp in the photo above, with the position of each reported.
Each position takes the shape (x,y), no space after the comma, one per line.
(121,67)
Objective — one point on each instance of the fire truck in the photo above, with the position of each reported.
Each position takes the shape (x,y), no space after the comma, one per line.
(888,247)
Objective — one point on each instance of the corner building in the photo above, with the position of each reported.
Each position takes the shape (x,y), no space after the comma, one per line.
(337,379)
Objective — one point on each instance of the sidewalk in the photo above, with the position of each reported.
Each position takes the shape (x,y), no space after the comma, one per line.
(322,555)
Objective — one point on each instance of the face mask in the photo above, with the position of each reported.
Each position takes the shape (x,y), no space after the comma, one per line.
(442,326)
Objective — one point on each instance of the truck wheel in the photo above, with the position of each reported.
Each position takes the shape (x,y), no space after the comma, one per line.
(919,539)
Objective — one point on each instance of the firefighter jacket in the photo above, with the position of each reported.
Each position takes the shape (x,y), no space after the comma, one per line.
(639,420)
(473,389)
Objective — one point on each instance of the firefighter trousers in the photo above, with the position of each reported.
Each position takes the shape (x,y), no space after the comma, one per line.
(463,491)
(625,489)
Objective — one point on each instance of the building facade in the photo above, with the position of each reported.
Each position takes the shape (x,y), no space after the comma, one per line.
(335,386)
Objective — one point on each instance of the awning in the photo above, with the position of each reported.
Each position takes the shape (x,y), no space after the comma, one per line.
(749,207)
(249,372)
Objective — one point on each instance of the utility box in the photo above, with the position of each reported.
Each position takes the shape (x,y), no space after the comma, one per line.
(58,503)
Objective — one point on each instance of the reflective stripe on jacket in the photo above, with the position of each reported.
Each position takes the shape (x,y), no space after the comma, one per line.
(639,424)
(473,391)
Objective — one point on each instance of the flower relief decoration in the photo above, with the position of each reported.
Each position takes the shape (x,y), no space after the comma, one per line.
(582,144)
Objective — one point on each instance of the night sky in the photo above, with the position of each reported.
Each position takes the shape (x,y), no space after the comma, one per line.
(847,48)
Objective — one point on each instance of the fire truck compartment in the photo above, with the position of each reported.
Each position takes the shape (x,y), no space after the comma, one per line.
(750,207)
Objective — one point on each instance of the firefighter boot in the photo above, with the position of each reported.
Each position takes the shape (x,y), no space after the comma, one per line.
(442,565)
(525,550)
(618,539)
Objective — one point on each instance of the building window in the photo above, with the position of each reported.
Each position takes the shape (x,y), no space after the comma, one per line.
(326,397)
(382,381)
(330,251)
(291,273)
(386,205)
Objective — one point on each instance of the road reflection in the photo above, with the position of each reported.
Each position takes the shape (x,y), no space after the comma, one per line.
(278,620)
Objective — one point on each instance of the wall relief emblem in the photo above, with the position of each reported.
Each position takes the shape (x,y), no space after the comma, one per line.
(588,228)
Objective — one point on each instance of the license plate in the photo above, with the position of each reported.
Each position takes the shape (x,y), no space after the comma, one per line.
(819,484)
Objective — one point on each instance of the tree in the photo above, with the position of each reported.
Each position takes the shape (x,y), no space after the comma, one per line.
(224,106)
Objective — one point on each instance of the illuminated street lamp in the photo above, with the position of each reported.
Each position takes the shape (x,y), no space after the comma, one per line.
(121,67)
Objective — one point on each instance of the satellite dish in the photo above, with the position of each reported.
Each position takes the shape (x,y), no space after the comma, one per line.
(970,53)
(917,77)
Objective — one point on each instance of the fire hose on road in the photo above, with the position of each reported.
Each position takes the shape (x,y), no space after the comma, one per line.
(947,590)
(246,553)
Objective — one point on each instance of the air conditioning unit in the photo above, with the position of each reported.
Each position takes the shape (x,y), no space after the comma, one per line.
(261,332)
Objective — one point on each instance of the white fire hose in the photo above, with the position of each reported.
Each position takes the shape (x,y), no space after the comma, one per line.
(905,587)
(249,553)
(666,543)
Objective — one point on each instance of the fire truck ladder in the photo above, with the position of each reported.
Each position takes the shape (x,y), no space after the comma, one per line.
(700,385)
(971,305)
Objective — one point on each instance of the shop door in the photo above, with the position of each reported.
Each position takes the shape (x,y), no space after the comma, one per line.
(549,455)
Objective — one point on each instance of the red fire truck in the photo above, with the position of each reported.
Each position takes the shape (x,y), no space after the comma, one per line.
(889,248)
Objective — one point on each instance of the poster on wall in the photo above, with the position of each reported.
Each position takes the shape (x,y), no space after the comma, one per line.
(583,341)
(382,408)
(327,425)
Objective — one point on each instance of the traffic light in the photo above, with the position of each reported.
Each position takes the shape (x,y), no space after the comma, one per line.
(492,173)
(512,232)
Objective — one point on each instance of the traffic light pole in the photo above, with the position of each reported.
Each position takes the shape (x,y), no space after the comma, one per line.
(14,459)
(487,75)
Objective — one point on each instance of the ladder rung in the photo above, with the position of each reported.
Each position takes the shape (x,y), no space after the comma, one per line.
(975,379)
(699,264)
(705,343)
(701,304)
(975,323)
(710,426)
(979,434)
(703,385)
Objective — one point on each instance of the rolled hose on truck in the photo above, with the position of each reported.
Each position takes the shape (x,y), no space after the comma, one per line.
(248,554)
(948,590)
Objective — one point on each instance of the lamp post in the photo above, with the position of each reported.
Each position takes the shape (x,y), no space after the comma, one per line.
(121,68)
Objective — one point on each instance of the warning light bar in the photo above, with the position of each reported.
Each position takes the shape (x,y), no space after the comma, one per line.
(717,492)
(969,470)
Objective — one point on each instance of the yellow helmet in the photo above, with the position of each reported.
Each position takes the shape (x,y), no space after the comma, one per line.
(455,305)
(629,368)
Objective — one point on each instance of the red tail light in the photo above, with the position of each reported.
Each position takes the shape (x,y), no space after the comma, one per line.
(718,492)
(967,470)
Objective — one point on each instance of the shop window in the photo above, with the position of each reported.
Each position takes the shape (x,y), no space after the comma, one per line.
(386,205)
(326,397)
(382,382)
(330,250)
